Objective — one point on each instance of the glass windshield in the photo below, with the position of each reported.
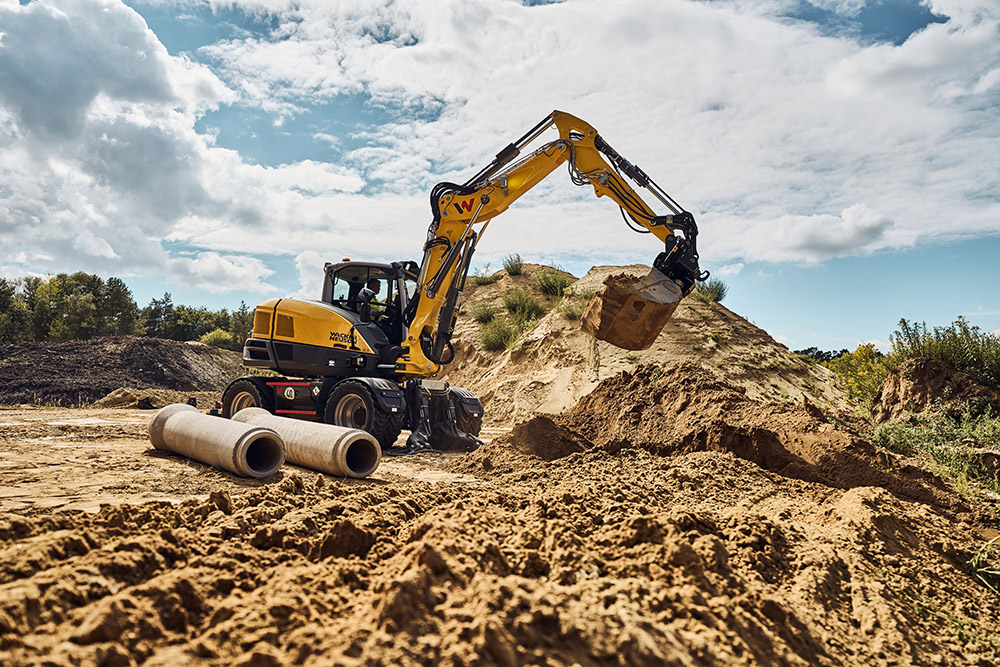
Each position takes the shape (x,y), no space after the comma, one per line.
(350,280)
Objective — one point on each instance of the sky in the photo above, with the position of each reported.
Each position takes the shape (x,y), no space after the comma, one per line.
(841,157)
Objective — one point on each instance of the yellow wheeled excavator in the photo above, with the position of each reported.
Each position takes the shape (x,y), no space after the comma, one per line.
(365,354)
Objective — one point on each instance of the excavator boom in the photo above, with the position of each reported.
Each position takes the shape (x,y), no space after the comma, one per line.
(627,313)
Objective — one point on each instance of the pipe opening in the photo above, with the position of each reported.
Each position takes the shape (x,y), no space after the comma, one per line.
(264,455)
(362,456)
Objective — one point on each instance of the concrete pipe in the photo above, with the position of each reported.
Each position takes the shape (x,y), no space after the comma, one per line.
(337,450)
(242,449)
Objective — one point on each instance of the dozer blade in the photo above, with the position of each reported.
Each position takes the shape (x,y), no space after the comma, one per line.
(630,312)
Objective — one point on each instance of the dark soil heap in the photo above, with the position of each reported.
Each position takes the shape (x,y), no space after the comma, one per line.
(921,385)
(82,371)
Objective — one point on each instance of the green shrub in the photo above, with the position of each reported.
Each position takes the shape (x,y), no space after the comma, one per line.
(513,265)
(498,334)
(572,309)
(984,566)
(551,282)
(483,312)
(219,338)
(522,306)
(711,291)
(901,438)
(964,346)
(860,373)
(485,276)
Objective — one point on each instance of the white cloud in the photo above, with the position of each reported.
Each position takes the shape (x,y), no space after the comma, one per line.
(309,265)
(730,269)
(787,145)
(221,273)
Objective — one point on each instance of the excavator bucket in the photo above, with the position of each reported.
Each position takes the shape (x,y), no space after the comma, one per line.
(630,312)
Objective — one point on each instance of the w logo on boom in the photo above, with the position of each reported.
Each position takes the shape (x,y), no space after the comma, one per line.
(465,206)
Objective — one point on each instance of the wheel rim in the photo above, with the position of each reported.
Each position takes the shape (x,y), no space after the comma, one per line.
(351,412)
(244,399)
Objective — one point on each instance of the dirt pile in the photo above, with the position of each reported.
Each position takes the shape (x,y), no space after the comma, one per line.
(83,371)
(555,363)
(682,408)
(592,559)
(922,385)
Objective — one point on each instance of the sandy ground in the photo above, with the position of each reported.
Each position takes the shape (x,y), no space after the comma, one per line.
(697,528)
(82,458)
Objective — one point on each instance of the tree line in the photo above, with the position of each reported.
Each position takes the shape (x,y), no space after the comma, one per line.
(81,306)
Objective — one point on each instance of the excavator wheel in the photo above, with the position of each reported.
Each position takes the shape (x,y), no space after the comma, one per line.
(245,393)
(468,423)
(351,404)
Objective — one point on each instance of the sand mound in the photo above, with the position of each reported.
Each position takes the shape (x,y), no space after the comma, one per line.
(83,371)
(124,397)
(921,385)
(682,408)
(592,559)
(556,363)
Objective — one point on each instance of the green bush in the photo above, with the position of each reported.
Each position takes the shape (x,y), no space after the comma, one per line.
(498,334)
(485,276)
(219,338)
(483,312)
(964,346)
(513,265)
(711,291)
(522,305)
(551,282)
(944,440)
(572,309)
(860,373)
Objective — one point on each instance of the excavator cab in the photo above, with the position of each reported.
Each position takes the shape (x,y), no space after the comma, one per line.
(343,285)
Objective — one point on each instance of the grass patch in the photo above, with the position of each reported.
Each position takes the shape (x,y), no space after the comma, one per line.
(498,334)
(944,440)
(983,640)
(572,309)
(551,282)
(522,306)
(483,312)
(513,265)
(711,291)
(486,276)
(984,566)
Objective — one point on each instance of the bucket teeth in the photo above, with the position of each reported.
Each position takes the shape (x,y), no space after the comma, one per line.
(630,312)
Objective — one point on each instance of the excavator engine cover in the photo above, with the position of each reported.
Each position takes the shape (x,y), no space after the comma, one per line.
(630,312)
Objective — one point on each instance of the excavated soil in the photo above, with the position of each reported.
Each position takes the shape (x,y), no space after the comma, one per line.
(664,520)
(922,385)
(79,372)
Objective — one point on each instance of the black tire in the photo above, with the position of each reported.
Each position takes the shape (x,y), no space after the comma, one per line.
(351,404)
(245,393)
(468,423)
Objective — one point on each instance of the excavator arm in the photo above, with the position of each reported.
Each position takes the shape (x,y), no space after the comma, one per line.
(462,212)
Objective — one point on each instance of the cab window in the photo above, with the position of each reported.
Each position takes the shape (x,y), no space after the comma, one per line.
(349,281)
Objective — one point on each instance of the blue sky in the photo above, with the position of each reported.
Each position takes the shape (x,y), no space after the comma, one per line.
(841,156)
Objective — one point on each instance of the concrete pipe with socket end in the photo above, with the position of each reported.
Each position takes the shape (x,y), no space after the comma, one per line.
(337,450)
(242,449)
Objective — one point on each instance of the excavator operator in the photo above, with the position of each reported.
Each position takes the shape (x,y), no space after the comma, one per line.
(368,305)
